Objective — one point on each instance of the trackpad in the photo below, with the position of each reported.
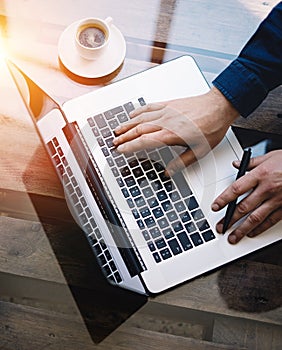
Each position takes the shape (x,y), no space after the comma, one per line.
(216,165)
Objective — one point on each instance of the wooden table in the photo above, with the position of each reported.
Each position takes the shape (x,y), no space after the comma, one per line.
(52,295)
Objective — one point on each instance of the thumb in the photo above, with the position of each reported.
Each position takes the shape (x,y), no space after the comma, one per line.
(181,162)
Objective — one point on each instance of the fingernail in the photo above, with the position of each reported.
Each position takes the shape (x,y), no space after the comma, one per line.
(115,141)
(117,129)
(251,234)
(120,148)
(215,207)
(232,239)
(169,172)
(219,228)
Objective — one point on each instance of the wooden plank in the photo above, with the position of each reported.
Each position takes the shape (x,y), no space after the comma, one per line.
(248,334)
(26,251)
(27,328)
(24,159)
(220,292)
(140,339)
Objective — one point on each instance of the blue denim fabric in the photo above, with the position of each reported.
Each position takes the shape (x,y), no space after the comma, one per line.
(258,68)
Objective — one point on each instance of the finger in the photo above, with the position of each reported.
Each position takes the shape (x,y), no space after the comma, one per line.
(235,190)
(142,114)
(144,141)
(270,221)
(246,206)
(254,162)
(136,132)
(179,163)
(256,218)
(138,119)
(151,107)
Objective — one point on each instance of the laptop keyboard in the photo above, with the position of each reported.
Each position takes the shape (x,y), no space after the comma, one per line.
(164,208)
(83,213)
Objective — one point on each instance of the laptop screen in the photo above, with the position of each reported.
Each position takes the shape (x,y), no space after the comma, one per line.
(37,101)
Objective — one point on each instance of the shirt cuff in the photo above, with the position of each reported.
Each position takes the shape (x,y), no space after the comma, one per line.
(242,87)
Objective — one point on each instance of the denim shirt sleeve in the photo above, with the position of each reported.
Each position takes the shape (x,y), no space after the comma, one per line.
(258,68)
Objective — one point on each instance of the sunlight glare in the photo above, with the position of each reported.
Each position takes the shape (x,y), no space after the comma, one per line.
(2,49)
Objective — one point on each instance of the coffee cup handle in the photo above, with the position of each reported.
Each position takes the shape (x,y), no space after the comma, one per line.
(109,20)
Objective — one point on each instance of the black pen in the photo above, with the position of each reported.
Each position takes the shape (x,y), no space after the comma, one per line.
(232,205)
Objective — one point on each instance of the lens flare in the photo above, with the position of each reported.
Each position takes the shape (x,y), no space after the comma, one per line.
(2,48)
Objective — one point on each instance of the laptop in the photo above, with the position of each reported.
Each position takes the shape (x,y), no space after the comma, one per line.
(148,232)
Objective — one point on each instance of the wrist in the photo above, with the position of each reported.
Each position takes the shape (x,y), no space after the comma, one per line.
(227,110)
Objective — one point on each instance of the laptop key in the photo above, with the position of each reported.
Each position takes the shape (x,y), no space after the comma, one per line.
(197,214)
(167,205)
(157,185)
(99,120)
(122,117)
(130,181)
(145,212)
(202,225)
(125,171)
(91,122)
(138,172)
(163,222)
(150,221)
(177,226)
(160,243)
(157,257)
(118,277)
(139,201)
(168,233)
(112,112)
(158,212)
(151,175)
(143,182)
(172,216)
(151,246)
(106,132)
(190,227)
(185,216)
(129,107)
(155,232)
(51,148)
(191,203)
(165,253)
(153,202)
(184,241)
(147,192)
(146,235)
(196,239)
(208,235)
(135,191)
(174,246)
(113,124)
(162,195)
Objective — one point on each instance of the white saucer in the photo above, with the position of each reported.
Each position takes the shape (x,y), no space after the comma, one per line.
(107,63)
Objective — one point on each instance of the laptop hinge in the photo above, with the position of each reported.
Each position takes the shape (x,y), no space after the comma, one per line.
(115,224)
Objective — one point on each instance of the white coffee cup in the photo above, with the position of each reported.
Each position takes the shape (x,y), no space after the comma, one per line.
(92,37)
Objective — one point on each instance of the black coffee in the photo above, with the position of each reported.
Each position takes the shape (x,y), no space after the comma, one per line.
(92,36)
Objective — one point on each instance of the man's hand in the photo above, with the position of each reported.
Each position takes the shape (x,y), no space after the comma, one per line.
(263,205)
(199,123)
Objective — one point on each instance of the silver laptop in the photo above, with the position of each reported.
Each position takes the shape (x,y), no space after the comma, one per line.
(148,232)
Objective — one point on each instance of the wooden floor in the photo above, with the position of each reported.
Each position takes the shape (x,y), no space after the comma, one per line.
(52,295)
